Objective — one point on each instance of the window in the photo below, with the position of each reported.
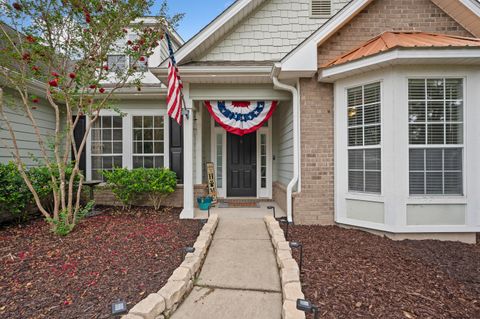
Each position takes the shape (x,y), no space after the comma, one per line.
(219,149)
(106,145)
(263,160)
(148,141)
(435,115)
(364,138)
(140,66)
(321,8)
(117,62)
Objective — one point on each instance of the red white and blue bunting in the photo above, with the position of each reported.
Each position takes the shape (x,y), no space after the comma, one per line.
(241,117)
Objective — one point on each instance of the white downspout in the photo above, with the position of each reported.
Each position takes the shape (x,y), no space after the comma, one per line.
(296,111)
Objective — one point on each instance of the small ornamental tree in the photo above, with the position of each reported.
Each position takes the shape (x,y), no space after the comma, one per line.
(63,45)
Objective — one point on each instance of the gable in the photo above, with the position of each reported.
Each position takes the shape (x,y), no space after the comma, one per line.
(270,32)
(405,15)
(389,15)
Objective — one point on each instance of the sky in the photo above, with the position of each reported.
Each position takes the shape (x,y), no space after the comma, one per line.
(198,13)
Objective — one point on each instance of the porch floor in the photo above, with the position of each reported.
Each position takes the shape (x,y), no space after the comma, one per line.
(243,212)
(239,278)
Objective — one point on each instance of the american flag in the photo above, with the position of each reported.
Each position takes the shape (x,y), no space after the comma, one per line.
(175,86)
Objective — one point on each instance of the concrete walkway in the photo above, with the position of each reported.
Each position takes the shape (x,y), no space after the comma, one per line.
(239,278)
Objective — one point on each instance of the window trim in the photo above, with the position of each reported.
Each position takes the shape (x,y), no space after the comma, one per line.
(127,127)
(437,198)
(359,194)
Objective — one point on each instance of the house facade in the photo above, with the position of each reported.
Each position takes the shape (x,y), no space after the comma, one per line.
(374,125)
(375,122)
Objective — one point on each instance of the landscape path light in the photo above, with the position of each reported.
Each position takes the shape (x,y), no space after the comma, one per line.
(297,245)
(119,307)
(307,307)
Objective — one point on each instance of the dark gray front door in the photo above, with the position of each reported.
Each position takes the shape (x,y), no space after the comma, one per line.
(242,165)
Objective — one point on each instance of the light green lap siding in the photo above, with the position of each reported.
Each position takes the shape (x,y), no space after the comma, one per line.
(283,143)
(24,132)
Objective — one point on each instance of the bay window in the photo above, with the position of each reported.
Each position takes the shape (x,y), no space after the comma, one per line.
(364,138)
(435,136)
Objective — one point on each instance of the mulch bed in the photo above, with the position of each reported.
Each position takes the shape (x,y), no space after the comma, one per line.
(354,274)
(115,255)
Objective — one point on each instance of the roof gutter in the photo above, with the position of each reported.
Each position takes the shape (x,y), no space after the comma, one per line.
(296,140)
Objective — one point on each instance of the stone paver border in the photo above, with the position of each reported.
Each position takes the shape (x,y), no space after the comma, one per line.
(289,271)
(163,303)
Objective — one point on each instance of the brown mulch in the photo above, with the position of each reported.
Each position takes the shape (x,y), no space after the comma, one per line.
(115,255)
(354,274)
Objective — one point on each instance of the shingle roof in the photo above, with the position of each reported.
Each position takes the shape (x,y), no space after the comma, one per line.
(392,40)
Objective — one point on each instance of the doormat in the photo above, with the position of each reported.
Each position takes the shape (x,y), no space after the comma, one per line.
(238,204)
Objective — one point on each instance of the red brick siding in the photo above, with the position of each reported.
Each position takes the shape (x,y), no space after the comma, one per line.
(315,203)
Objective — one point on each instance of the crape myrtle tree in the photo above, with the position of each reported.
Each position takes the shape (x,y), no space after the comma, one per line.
(63,45)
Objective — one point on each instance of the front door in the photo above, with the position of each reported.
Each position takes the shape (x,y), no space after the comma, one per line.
(242,165)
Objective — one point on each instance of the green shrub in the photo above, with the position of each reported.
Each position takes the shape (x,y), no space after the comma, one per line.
(14,194)
(62,226)
(156,183)
(159,183)
(16,198)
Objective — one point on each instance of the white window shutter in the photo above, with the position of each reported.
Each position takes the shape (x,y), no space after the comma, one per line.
(321,8)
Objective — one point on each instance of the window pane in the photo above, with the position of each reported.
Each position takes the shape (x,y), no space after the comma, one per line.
(454,89)
(355,116)
(373,182)
(372,93)
(416,89)
(417,159)
(436,134)
(417,133)
(158,134)
(355,159)
(106,121)
(107,134)
(148,147)
(117,135)
(355,136)
(355,181)
(453,183)
(159,162)
(435,89)
(434,159)
(158,148)
(137,161)
(137,121)
(416,112)
(417,183)
(372,114)
(148,121)
(435,111)
(354,96)
(158,121)
(117,147)
(372,135)
(148,135)
(453,159)
(148,162)
(454,111)
(117,122)
(454,133)
(434,183)
(373,159)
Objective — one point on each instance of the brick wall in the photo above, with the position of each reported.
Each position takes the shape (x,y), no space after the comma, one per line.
(315,203)
(103,196)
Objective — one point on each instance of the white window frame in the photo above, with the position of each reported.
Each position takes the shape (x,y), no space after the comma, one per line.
(149,154)
(127,131)
(359,194)
(434,198)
